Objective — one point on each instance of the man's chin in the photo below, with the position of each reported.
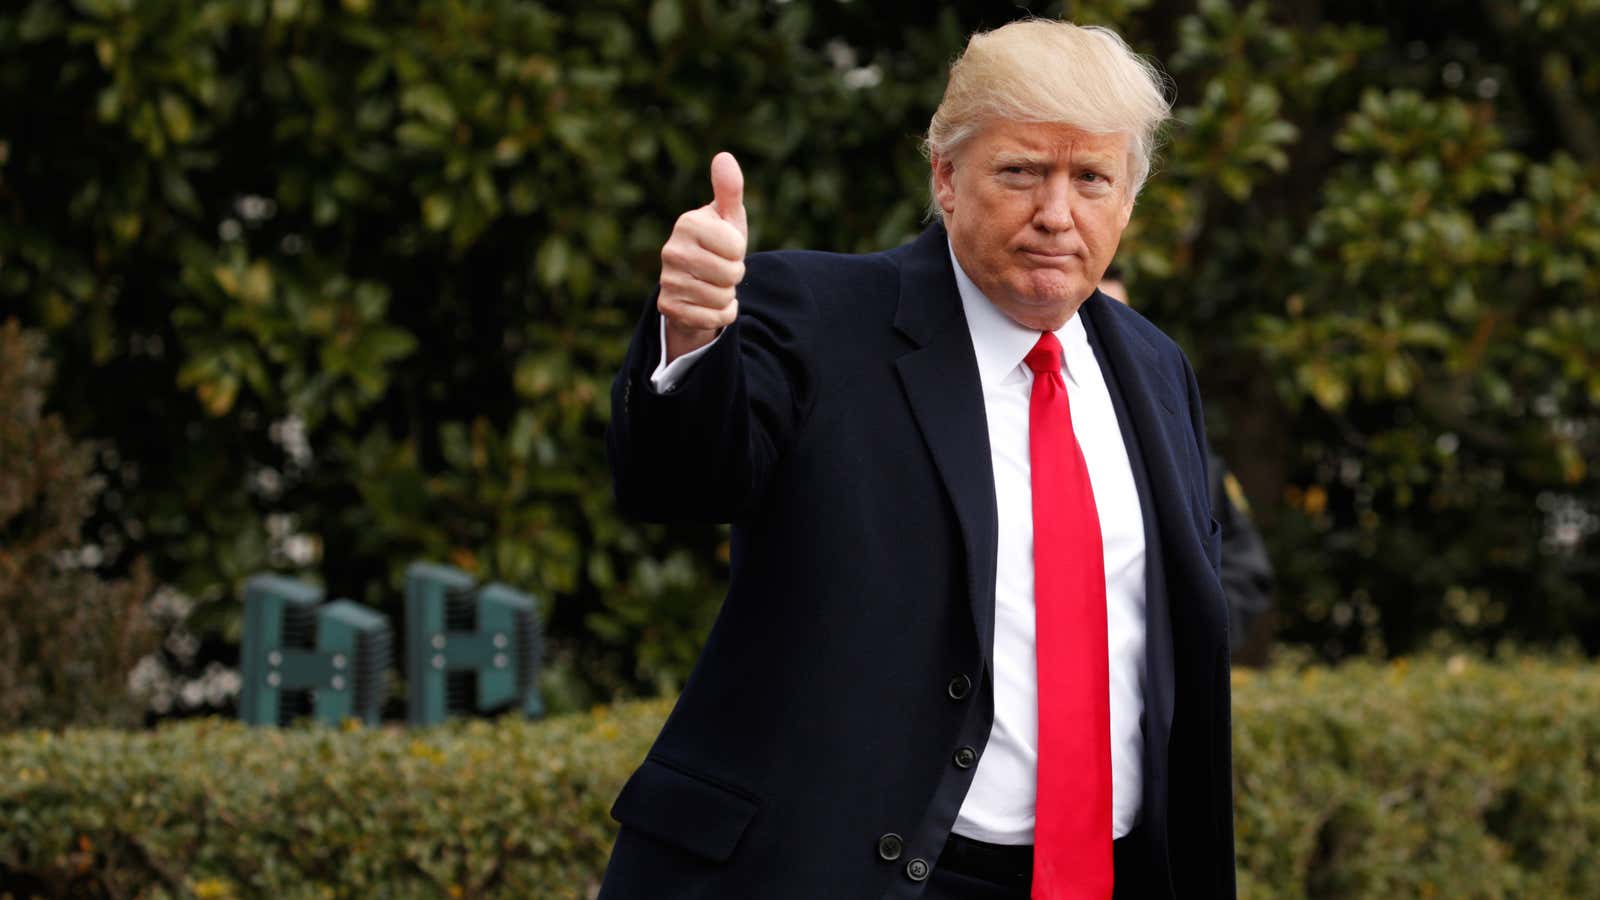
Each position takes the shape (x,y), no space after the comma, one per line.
(1041,313)
(1050,291)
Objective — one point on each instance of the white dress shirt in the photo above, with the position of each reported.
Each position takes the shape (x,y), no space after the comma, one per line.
(667,375)
(999,805)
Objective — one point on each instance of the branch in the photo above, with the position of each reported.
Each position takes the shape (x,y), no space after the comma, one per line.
(1556,84)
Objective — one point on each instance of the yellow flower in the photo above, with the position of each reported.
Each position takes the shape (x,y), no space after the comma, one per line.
(213,889)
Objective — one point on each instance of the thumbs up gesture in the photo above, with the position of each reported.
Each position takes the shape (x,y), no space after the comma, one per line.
(702,262)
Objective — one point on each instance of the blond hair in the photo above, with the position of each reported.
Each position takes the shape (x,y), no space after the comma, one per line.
(1038,70)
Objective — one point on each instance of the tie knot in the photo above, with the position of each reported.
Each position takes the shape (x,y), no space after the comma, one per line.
(1045,357)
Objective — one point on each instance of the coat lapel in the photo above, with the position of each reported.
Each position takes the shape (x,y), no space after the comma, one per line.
(1144,406)
(1152,402)
(941,382)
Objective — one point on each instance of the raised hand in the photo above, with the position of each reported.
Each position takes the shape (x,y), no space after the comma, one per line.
(702,262)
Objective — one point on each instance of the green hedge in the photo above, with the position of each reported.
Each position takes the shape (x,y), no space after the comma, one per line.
(1419,779)
(1437,778)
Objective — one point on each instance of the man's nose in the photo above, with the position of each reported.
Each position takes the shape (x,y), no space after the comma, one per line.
(1053,207)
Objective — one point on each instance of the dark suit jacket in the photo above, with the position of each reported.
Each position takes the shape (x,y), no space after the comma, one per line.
(839,425)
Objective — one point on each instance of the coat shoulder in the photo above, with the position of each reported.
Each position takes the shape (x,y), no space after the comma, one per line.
(1133,322)
(826,273)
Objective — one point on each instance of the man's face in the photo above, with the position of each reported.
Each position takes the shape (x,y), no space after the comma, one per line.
(1035,212)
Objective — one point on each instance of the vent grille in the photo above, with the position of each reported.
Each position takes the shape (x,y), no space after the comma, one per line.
(293,705)
(527,651)
(299,626)
(374,654)
(461,691)
(461,611)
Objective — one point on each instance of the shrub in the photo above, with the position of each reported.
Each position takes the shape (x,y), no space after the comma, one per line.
(1432,779)
(1451,779)
(68,639)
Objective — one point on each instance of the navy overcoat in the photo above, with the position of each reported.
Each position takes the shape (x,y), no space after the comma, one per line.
(839,426)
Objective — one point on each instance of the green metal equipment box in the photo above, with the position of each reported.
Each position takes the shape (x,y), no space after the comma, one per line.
(470,649)
(302,658)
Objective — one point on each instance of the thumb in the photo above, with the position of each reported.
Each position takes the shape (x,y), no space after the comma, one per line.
(727,186)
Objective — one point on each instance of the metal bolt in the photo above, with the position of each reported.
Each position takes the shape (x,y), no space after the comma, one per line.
(500,641)
(338,660)
(338,682)
(275,658)
(500,660)
(438,661)
(438,642)
(273,679)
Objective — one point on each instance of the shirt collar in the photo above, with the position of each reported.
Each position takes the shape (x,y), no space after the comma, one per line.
(1000,344)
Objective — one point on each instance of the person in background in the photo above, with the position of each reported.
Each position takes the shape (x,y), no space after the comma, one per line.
(1246,568)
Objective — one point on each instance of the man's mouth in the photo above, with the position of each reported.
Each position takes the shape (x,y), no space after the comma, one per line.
(1054,256)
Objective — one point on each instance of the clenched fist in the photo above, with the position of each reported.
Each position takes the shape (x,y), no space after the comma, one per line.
(702,261)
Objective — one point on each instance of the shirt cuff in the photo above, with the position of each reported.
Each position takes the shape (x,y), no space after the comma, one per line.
(667,375)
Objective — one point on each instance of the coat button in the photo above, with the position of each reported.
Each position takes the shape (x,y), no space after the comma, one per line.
(965,757)
(959,687)
(889,847)
(917,870)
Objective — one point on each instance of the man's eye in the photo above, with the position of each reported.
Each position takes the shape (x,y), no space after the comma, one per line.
(1092,176)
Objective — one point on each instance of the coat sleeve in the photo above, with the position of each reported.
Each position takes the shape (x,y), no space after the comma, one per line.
(705,449)
(1197,425)
(1222,852)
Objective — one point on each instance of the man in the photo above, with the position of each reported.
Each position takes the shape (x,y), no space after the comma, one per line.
(1246,569)
(974,645)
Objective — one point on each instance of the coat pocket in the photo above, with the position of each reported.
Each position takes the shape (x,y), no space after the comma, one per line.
(684,810)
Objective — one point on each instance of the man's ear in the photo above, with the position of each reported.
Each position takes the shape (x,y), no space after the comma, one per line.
(944,189)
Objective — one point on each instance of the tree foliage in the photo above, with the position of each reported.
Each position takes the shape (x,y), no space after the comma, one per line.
(344,282)
(68,640)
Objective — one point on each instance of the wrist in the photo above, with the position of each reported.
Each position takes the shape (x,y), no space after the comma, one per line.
(681,340)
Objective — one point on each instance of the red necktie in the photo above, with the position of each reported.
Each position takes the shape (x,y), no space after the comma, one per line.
(1072,826)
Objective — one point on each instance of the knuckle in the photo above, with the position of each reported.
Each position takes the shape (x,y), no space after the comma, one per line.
(686,287)
(689,315)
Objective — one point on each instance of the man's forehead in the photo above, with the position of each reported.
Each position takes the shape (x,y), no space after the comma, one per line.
(1008,136)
